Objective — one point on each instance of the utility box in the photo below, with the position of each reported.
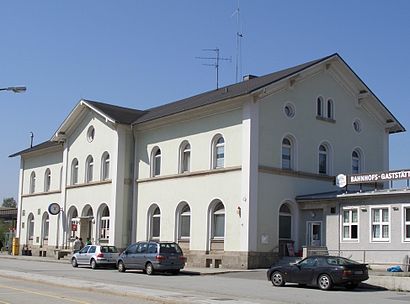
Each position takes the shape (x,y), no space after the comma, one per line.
(15,246)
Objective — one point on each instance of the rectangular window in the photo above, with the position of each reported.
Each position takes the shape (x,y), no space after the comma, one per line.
(322,163)
(220,157)
(105,228)
(185,226)
(407,223)
(286,158)
(380,221)
(219,225)
(350,224)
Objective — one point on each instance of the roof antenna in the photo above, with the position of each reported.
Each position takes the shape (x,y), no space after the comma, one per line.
(217,58)
(239,36)
(31,139)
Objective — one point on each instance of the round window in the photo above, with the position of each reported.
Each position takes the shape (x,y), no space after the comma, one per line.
(357,126)
(289,110)
(90,134)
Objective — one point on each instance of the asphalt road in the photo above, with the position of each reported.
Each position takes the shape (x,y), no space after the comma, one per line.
(20,291)
(230,288)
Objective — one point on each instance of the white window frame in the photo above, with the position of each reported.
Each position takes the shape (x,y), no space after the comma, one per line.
(74,171)
(47,180)
(182,213)
(349,224)
(151,216)
(320,106)
(358,160)
(215,146)
(89,169)
(327,154)
(32,186)
(46,226)
(405,223)
(381,224)
(213,214)
(288,147)
(156,156)
(30,227)
(185,157)
(330,102)
(105,166)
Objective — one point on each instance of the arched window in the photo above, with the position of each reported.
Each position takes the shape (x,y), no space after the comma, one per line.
(105,166)
(285,222)
(155,223)
(184,222)
(47,180)
(356,162)
(323,159)
(105,224)
(30,227)
(74,172)
(218,221)
(330,109)
(156,162)
(89,168)
(319,106)
(287,154)
(45,226)
(32,182)
(218,152)
(185,157)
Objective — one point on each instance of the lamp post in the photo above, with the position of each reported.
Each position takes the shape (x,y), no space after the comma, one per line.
(14,89)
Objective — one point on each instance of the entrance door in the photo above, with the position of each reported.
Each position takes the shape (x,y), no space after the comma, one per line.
(314,234)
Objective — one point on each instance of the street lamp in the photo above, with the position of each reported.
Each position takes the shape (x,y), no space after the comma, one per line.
(14,89)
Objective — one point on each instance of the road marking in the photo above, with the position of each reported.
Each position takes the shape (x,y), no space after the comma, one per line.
(41,294)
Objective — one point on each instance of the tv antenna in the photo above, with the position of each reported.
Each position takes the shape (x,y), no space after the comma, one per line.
(239,36)
(217,58)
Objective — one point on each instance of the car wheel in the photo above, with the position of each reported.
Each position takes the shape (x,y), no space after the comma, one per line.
(325,282)
(351,286)
(175,272)
(93,264)
(121,266)
(74,262)
(149,269)
(277,279)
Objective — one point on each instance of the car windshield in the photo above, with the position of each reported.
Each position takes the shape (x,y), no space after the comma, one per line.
(170,248)
(340,261)
(109,249)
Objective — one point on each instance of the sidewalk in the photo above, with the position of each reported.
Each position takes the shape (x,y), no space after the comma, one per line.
(399,281)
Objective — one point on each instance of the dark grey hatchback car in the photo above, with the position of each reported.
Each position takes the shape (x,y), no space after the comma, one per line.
(152,256)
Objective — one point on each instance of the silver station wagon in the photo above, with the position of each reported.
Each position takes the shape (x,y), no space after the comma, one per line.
(95,256)
(151,257)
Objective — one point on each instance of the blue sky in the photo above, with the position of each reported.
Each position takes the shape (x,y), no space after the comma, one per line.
(141,54)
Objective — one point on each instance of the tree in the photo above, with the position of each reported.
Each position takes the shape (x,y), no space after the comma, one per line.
(9,202)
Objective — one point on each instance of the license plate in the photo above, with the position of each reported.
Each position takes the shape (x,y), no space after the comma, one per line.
(358,272)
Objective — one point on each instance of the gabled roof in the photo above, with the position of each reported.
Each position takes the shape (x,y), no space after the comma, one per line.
(43,145)
(231,91)
(118,114)
(122,115)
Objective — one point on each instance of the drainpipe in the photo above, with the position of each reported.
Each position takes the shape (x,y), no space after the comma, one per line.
(338,228)
(134,203)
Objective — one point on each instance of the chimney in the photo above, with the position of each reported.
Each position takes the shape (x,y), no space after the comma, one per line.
(248,77)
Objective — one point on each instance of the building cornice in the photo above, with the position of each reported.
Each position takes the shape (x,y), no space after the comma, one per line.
(190,174)
(300,174)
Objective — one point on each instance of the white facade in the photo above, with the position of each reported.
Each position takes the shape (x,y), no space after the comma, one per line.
(218,177)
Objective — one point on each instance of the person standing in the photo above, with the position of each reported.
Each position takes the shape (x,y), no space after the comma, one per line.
(76,245)
(88,241)
(82,243)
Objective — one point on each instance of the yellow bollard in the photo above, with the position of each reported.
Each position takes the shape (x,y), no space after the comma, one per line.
(16,246)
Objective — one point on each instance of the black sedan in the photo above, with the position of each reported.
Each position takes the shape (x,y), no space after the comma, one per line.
(322,271)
